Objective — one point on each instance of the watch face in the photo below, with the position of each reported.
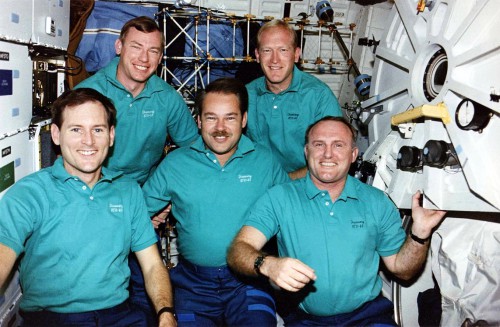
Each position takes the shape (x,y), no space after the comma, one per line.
(465,114)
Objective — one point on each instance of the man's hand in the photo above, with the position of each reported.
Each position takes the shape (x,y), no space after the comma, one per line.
(288,273)
(161,217)
(424,220)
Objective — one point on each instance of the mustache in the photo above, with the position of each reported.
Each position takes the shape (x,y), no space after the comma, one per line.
(224,134)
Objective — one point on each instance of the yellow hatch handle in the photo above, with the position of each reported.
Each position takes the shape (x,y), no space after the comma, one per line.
(438,111)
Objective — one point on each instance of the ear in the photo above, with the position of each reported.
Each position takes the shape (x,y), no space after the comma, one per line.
(199,121)
(54,132)
(257,56)
(244,120)
(118,46)
(355,152)
(297,54)
(111,136)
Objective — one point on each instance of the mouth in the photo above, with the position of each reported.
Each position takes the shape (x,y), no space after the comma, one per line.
(87,152)
(220,137)
(328,164)
(139,67)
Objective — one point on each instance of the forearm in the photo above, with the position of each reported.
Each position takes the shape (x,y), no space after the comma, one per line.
(410,259)
(299,173)
(241,257)
(158,287)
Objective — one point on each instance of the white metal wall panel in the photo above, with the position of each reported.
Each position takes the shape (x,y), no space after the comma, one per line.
(51,23)
(16,20)
(15,87)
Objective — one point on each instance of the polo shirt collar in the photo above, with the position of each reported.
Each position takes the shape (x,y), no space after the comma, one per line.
(60,173)
(151,87)
(349,190)
(294,86)
(245,145)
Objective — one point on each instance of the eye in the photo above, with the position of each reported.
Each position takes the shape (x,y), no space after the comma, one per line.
(76,130)
(339,145)
(155,52)
(319,145)
(284,50)
(98,130)
(210,118)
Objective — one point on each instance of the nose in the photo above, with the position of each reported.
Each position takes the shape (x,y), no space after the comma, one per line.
(88,138)
(328,151)
(274,56)
(219,125)
(143,56)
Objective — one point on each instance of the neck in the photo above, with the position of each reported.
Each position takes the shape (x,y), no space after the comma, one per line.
(276,88)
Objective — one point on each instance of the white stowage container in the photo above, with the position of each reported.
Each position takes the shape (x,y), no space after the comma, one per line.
(16,87)
(16,19)
(51,23)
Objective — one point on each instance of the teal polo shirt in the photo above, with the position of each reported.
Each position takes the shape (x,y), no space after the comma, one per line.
(143,122)
(342,241)
(279,121)
(75,240)
(210,201)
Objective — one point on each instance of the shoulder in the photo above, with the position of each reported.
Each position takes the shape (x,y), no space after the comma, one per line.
(369,193)
(312,82)
(34,185)
(255,84)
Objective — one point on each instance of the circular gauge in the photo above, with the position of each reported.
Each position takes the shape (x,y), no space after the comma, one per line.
(472,116)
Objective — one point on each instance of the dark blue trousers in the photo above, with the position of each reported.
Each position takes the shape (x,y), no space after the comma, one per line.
(375,313)
(213,296)
(119,316)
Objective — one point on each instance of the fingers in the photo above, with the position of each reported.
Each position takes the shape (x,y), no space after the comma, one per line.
(161,217)
(291,274)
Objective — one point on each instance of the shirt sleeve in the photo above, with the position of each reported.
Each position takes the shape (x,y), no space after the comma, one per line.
(143,234)
(263,217)
(19,207)
(155,189)
(181,125)
(328,105)
(391,233)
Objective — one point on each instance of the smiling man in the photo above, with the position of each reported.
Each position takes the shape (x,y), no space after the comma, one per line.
(285,101)
(212,184)
(332,231)
(148,112)
(73,225)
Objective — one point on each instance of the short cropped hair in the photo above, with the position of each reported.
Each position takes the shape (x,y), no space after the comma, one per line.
(280,24)
(342,120)
(143,24)
(78,97)
(225,85)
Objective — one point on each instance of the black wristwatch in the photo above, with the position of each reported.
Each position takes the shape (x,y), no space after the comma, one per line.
(258,262)
(418,239)
(165,309)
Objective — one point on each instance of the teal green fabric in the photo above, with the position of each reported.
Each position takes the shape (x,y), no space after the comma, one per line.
(279,121)
(143,123)
(75,240)
(210,202)
(341,241)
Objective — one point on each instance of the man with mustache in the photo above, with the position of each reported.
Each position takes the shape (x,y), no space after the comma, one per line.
(212,184)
